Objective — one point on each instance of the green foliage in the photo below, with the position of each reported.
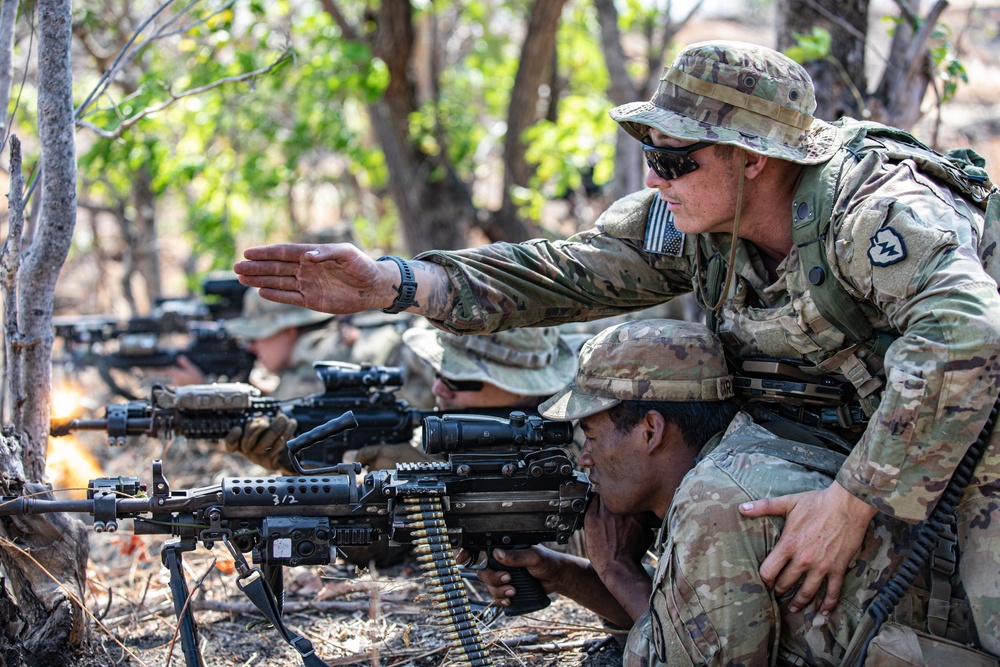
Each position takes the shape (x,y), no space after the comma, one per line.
(230,155)
(582,138)
(948,67)
(814,46)
(248,161)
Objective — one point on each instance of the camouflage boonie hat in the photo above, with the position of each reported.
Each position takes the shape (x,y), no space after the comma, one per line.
(738,94)
(530,361)
(645,360)
(261,318)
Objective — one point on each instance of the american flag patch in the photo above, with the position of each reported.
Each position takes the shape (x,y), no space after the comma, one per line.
(662,237)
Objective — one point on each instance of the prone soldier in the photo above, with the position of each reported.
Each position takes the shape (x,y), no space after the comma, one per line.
(497,373)
(287,341)
(663,435)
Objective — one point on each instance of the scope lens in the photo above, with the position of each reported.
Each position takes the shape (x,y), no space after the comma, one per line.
(459,433)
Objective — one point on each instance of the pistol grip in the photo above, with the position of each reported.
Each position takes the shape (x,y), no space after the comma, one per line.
(529,595)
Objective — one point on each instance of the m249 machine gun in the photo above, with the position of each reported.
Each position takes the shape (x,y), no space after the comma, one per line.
(175,327)
(210,411)
(506,483)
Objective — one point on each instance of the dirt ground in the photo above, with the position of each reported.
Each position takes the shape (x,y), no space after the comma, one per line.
(351,617)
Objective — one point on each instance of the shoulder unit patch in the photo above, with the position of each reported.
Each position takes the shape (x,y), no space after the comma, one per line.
(886,248)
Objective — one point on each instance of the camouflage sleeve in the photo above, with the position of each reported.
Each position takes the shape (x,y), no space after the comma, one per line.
(708,585)
(540,283)
(916,261)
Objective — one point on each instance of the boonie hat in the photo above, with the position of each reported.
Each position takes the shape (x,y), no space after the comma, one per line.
(738,94)
(530,361)
(645,360)
(261,318)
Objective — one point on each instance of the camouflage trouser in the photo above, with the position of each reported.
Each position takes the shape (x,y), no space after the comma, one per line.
(979,546)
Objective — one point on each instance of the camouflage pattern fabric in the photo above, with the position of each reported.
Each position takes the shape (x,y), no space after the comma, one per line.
(739,94)
(709,603)
(941,299)
(689,366)
(260,318)
(528,362)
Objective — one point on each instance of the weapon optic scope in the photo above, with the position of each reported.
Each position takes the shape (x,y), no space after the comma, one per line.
(458,433)
(341,376)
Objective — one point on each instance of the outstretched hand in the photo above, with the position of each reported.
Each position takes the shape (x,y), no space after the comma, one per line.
(823,532)
(332,278)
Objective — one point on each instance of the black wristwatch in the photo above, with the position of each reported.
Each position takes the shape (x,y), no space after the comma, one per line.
(407,288)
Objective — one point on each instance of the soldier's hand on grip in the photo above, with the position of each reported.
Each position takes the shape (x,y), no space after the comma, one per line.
(263,441)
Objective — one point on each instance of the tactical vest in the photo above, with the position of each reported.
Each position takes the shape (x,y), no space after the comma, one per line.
(961,170)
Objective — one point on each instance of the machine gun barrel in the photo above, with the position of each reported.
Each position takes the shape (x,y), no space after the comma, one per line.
(520,493)
(212,411)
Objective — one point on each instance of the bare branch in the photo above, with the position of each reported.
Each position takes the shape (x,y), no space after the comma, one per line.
(338,17)
(161,33)
(10,261)
(8,14)
(132,120)
(124,56)
(8,84)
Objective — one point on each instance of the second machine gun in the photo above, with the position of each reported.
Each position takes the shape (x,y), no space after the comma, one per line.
(108,343)
(209,412)
(506,483)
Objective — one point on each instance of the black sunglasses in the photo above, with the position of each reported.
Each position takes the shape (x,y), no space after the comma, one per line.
(671,163)
(460,385)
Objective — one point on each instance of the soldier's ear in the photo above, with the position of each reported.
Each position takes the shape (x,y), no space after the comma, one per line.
(655,431)
(754,163)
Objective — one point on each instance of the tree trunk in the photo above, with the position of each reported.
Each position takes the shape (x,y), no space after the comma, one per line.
(534,70)
(435,207)
(840,81)
(908,73)
(51,553)
(53,623)
(630,167)
(8,15)
(143,258)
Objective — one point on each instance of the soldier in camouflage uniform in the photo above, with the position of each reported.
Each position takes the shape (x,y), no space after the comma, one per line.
(731,140)
(287,341)
(495,374)
(653,398)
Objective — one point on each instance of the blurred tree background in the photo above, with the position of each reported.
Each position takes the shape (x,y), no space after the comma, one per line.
(207,126)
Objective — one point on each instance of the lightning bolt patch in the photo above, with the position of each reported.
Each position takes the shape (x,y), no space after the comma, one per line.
(886,248)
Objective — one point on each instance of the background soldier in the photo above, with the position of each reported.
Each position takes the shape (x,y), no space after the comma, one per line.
(496,374)
(287,340)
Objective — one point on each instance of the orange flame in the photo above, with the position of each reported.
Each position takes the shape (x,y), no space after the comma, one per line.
(69,465)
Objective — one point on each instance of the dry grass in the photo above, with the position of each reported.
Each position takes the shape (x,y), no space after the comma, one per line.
(351,617)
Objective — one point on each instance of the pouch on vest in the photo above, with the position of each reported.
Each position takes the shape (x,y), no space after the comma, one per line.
(900,646)
(962,170)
